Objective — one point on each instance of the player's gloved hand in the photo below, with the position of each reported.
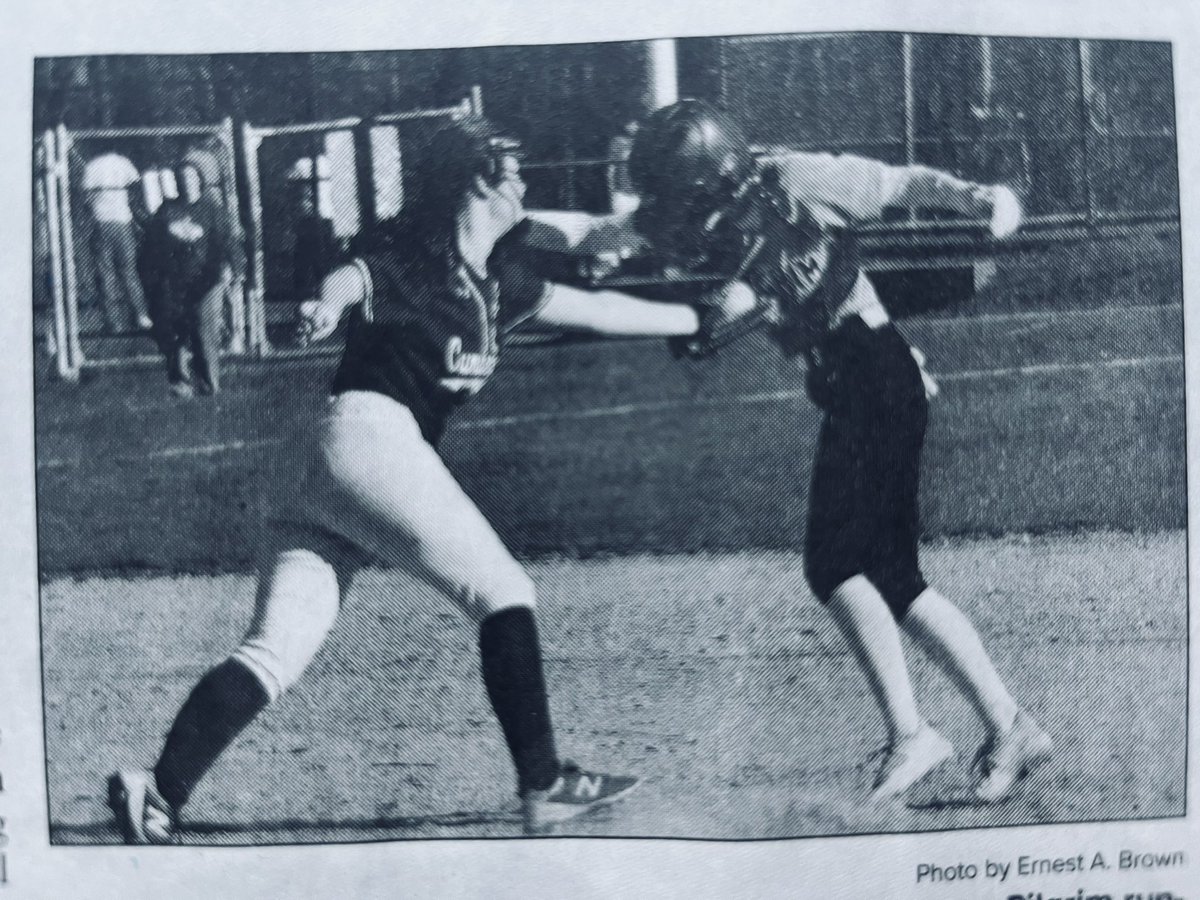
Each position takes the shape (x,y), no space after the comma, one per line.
(1006,212)
(726,314)
(931,386)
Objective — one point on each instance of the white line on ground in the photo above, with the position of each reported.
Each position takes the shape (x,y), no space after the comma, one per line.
(628,409)
(789,395)
(210,449)
(1041,315)
(1034,319)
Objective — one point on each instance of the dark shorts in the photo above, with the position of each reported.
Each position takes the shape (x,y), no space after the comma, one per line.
(864,515)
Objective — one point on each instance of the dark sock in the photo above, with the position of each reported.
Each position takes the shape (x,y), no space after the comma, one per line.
(511,659)
(224,702)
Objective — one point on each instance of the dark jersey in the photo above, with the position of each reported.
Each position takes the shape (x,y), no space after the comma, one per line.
(428,333)
(815,266)
(184,249)
(818,283)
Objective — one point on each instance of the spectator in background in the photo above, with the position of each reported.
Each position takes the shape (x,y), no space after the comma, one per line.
(187,261)
(315,248)
(623,198)
(106,182)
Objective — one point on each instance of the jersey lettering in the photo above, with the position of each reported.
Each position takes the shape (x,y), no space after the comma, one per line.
(462,362)
(805,270)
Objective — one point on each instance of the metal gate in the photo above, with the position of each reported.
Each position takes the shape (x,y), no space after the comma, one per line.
(85,296)
(311,188)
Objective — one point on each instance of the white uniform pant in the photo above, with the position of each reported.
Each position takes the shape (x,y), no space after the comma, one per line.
(372,487)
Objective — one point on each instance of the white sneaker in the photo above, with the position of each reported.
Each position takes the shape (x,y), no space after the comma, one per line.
(142,815)
(909,760)
(1010,756)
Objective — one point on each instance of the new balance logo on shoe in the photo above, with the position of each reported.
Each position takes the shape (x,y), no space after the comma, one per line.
(574,793)
(588,787)
(158,825)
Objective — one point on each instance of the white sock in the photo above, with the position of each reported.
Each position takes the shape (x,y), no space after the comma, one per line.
(952,642)
(870,630)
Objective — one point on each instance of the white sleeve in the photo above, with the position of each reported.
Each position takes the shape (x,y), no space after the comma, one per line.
(129,173)
(839,190)
(368,285)
(913,187)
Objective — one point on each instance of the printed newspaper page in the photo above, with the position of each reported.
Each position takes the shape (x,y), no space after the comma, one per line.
(596,449)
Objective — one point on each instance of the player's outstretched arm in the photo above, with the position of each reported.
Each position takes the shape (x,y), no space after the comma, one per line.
(581,233)
(344,287)
(615,314)
(921,186)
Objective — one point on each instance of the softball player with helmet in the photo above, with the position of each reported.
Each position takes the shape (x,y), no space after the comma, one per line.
(785,226)
(431,305)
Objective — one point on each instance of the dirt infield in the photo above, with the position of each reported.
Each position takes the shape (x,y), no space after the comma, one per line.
(716,677)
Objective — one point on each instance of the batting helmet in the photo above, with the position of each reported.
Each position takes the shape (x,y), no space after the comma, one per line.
(691,164)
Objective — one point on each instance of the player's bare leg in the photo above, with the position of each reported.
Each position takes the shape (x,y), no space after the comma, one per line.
(914,748)
(952,642)
(1015,745)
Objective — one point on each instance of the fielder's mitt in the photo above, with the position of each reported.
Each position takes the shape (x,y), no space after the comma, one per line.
(727,314)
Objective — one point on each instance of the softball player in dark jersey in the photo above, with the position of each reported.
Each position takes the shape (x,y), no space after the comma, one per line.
(430,305)
(787,225)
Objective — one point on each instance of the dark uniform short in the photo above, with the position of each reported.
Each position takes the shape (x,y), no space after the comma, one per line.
(864,511)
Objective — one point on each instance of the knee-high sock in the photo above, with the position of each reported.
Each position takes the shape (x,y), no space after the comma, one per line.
(224,702)
(871,631)
(949,638)
(511,660)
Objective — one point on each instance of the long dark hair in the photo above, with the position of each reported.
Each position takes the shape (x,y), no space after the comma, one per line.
(440,178)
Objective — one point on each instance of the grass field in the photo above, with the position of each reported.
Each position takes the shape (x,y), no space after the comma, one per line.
(633,452)
(660,505)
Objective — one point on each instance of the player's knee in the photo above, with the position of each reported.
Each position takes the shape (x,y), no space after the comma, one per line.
(900,589)
(299,598)
(825,572)
(501,590)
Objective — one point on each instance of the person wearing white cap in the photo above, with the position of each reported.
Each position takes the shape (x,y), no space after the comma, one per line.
(106,182)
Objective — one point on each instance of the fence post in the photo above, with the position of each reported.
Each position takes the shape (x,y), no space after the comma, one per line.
(50,186)
(910,109)
(256,325)
(1087,97)
(74,349)
(237,289)
(364,176)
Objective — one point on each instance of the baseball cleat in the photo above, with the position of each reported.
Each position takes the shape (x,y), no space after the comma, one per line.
(574,793)
(908,760)
(142,815)
(1010,756)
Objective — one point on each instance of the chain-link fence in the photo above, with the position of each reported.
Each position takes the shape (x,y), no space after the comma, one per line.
(311,188)
(1084,129)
